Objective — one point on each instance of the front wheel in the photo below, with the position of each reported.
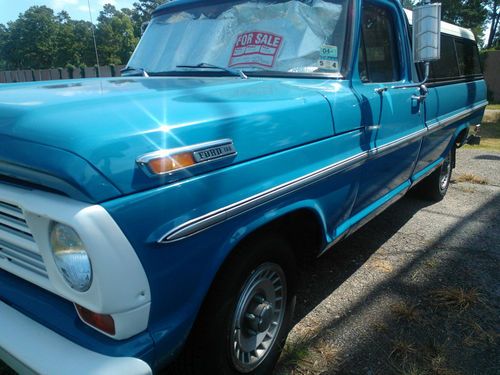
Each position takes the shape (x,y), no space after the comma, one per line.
(435,186)
(243,324)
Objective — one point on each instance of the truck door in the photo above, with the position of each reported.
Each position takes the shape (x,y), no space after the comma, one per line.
(392,119)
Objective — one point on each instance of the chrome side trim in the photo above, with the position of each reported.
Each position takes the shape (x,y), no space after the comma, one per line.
(454,118)
(217,216)
(203,222)
(363,221)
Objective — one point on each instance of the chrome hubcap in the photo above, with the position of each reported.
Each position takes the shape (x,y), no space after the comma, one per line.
(258,316)
(445,174)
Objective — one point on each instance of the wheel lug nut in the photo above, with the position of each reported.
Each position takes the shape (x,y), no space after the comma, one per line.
(260,299)
(250,316)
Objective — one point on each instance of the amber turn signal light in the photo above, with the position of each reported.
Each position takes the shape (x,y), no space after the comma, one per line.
(171,163)
(102,322)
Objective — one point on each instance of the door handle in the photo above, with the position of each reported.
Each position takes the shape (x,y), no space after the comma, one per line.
(423,94)
(419,98)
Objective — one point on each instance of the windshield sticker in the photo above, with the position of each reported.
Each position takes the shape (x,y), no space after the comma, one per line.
(328,58)
(256,48)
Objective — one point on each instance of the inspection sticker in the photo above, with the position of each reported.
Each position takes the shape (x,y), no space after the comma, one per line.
(256,48)
(328,58)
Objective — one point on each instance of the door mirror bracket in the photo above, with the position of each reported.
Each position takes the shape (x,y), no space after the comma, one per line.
(426,41)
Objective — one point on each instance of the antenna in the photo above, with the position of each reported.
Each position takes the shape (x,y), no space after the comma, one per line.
(95,42)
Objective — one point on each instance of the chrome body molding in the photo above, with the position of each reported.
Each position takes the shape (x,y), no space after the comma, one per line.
(363,221)
(454,118)
(203,153)
(215,217)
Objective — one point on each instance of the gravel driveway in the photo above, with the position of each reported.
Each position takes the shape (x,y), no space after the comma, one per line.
(415,291)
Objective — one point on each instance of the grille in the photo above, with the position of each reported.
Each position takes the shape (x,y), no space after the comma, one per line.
(16,241)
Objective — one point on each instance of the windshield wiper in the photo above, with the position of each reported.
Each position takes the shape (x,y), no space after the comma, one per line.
(234,72)
(130,71)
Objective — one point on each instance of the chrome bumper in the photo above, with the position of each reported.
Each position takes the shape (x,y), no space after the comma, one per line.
(30,348)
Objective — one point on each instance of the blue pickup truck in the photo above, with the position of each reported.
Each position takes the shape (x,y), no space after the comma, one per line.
(160,217)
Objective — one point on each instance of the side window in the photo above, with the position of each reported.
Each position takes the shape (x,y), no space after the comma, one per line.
(379,52)
(468,57)
(446,66)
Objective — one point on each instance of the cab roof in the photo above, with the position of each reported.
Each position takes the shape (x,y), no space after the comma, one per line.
(448,28)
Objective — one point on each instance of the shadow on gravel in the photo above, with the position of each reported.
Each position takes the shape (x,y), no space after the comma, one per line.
(322,276)
(487,157)
(443,322)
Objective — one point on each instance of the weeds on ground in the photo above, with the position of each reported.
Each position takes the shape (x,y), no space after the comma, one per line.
(455,298)
(406,311)
(403,350)
(466,189)
(473,179)
(306,358)
(293,354)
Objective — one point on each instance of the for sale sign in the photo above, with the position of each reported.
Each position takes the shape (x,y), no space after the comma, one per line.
(256,48)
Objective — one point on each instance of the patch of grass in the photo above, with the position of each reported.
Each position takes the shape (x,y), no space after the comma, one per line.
(490,137)
(466,189)
(480,336)
(304,358)
(294,354)
(439,366)
(431,263)
(381,327)
(413,369)
(406,311)
(403,350)
(493,106)
(471,178)
(455,298)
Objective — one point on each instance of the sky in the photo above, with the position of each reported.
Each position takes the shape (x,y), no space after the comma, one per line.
(77,9)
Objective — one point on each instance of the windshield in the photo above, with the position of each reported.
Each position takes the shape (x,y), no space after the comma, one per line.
(294,36)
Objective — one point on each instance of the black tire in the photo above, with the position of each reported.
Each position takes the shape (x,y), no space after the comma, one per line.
(209,348)
(435,186)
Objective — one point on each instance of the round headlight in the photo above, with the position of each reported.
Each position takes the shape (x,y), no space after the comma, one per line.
(71,257)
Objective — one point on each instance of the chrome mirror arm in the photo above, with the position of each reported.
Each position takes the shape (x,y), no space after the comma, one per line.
(417,84)
(421,84)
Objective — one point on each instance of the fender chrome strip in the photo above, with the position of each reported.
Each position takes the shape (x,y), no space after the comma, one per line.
(215,217)
(454,118)
(203,222)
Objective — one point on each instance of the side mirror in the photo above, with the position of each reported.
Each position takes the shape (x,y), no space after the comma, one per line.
(427,33)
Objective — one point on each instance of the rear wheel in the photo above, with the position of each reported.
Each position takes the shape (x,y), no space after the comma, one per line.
(435,186)
(243,325)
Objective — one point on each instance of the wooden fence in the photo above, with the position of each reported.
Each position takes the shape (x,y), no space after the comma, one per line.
(30,75)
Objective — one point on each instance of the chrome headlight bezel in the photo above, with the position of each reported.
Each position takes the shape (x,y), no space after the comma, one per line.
(70,257)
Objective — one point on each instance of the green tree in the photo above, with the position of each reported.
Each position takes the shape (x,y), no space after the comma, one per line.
(64,49)
(84,53)
(4,34)
(115,36)
(141,13)
(74,43)
(31,40)
(471,14)
(408,4)
(494,18)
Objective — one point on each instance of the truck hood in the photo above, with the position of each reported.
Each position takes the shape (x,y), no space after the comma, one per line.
(109,123)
